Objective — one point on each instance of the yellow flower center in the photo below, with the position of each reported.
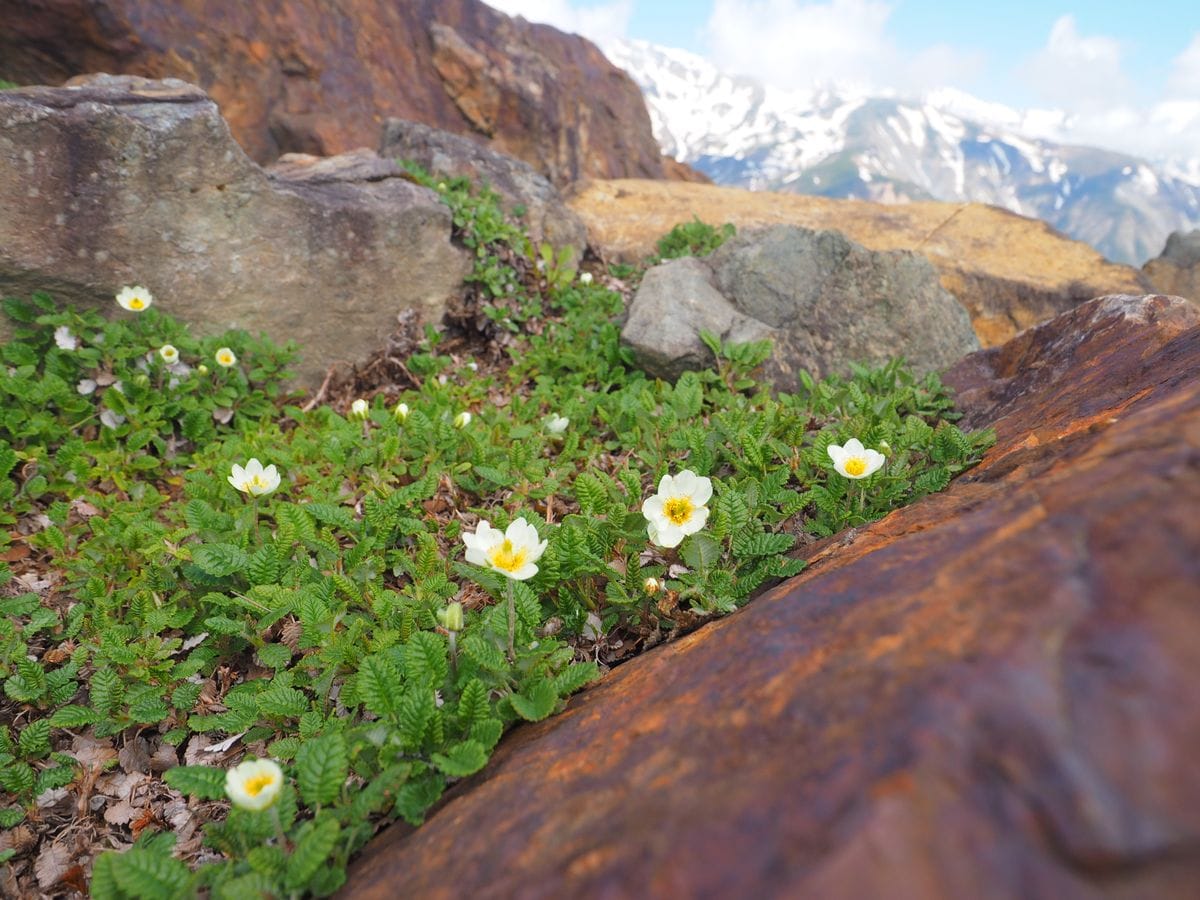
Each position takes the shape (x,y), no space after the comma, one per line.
(505,558)
(257,482)
(136,303)
(856,465)
(678,509)
(257,783)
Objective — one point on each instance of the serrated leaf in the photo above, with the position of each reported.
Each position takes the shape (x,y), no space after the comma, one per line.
(463,759)
(35,738)
(417,795)
(219,560)
(378,684)
(206,782)
(414,711)
(322,764)
(575,676)
(487,732)
(473,705)
(425,659)
(700,551)
(484,654)
(145,874)
(746,546)
(535,702)
(282,702)
(73,717)
(314,841)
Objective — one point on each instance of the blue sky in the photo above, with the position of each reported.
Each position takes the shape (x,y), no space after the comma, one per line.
(1128,73)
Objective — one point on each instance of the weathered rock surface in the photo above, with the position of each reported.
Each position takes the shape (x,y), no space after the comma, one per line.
(823,300)
(988,694)
(547,217)
(314,77)
(1010,272)
(1177,269)
(129,181)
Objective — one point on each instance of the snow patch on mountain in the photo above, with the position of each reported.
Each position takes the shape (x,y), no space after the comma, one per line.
(946,145)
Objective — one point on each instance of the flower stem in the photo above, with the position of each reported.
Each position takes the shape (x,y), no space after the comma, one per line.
(283,841)
(254,510)
(453,653)
(512,620)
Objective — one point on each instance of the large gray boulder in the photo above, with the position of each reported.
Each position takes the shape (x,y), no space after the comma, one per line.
(123,180)
(546,216)
(823,300)
(1177,269)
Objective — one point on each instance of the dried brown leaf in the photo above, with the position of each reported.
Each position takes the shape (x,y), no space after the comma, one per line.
(51,865)
(134,756)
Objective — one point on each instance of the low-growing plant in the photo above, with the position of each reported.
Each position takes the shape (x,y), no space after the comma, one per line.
(370,595)
(694,238)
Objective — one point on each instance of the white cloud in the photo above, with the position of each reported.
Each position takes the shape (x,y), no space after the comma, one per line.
(1184,81)
(1077,72)
(1083,75)
(796,44)
(599,23)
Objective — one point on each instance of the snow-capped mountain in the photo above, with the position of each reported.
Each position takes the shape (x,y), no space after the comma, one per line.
(945,146)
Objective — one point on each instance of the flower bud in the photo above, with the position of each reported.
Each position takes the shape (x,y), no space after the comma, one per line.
(462,420)
(651,586)
(585,278)
(202,369)
(359,409)
(451,618)
(400,412)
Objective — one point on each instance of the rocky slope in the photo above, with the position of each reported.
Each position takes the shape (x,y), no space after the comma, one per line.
(320,78)
(1008,271)
(987,694)
(947,146)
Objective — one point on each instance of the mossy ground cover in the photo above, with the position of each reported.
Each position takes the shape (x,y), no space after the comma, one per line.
(160,625)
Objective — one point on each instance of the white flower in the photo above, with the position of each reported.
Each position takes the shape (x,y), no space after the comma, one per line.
(651,586)
(64,338)
(110,419)
(134,299)
(854,460)
(254,479)
(585,278)
(678,509)
(400,412)
(511,552)
(225,358)
(557,424)
(462,420)
(254,784)
(169,354)
(473,366)
(360,409)
(86,386)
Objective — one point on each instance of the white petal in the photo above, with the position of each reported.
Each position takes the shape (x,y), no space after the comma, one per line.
(854,447)
(703,491)
(669,535)
(526,571)
(695,521)
(838,454)
(666,486)
(652,507)
(875,461)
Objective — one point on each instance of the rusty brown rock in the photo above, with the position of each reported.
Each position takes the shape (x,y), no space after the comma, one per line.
(988,694)
(314,77)
(1010,272)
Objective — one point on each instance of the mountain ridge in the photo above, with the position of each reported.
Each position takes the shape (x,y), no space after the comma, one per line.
(835,142)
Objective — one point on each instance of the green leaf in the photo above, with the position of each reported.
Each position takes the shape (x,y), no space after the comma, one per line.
(425,659)
(106,691)
(700,551)
(575,676)
(205,782)
(378,684)
(463,759)
(314,842)
(473,705)
(591,494)
(219,560)
(536,702)
(746,546)
(414,712)
(147,874)
(487,732)
(35,738)
(417,795)
(282,702)
(322,764)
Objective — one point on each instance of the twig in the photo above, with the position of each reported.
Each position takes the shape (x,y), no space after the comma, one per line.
(320,394)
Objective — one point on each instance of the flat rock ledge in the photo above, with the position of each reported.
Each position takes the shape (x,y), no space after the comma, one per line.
(988,694)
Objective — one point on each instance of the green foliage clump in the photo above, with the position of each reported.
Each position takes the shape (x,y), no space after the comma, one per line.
(308,625)
(694,238)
